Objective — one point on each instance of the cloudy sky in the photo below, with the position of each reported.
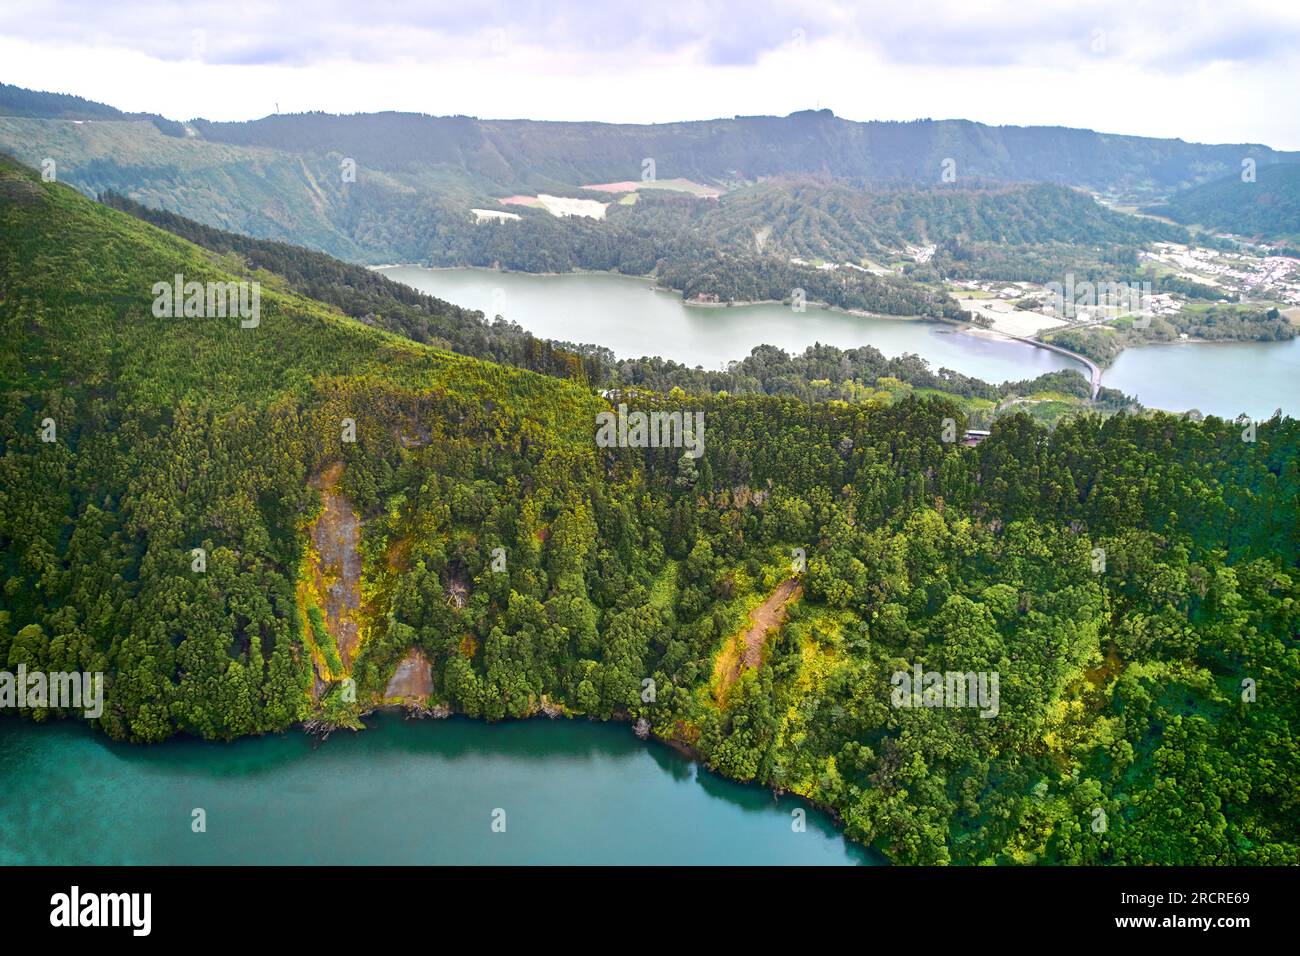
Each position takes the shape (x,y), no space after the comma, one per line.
(1199,70)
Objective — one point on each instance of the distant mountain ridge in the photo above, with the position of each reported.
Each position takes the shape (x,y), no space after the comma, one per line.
(16,101)
(533,154)
(513,154)
(37,104)
(399,187)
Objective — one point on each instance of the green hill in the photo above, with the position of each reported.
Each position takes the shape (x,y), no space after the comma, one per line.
(1267,208)
(843,224)
(86,273)
(16,101)
(417,176)
(520,154)
(373,298)
(1123,578)
(513,155)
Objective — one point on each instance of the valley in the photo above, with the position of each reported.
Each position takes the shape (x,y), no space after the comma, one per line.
(900,249)
(386,498)
(635,320)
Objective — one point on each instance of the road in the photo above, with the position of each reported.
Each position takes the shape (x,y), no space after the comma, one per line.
(1093,368)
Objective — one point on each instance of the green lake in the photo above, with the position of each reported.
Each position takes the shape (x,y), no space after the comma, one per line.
(402,791)
(633,318)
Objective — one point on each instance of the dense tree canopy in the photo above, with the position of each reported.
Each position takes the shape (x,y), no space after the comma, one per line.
(1132,580)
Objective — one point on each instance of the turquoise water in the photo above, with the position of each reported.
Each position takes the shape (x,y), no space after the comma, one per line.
(417,791)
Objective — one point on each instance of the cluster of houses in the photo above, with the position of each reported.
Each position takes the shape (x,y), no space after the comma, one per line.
(1273,277)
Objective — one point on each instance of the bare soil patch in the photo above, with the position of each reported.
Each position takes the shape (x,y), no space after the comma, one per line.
(335,538)
(746,650)
(413,679)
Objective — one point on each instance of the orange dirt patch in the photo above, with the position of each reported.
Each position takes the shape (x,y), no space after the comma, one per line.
(335,537)
(746,650)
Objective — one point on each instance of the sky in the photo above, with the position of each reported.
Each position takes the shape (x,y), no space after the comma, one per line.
(1197,70)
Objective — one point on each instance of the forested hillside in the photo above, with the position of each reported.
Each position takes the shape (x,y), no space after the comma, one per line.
(1126,578)
(1267,207)
(822,372)
(741,247)
(1210,323)
(842,224)
(391,187)
(16,101)
(374,299)
(19,102)
(534,155)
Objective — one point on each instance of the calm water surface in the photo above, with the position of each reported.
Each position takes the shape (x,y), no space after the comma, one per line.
(634,319)
(403,791)
(1219,378)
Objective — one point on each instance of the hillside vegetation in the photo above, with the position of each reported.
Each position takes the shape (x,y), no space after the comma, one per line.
(1266,208)
(526,154)
(820,372)
(1126,578)
(1210,323)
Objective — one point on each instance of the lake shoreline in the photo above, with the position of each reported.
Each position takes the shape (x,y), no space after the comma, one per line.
(964,326)
(497,750)
(681,748)
(440,713)
(653,284)
(684,750)
(611,309)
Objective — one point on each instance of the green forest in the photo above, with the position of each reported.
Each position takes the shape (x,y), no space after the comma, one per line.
(1199,322)
(743,247)
(822,372)
(1265,205)
(1131,576)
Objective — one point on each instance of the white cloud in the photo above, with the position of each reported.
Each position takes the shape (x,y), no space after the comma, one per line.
(1205,72)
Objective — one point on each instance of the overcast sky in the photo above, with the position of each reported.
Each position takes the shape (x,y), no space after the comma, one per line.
(1202,71)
